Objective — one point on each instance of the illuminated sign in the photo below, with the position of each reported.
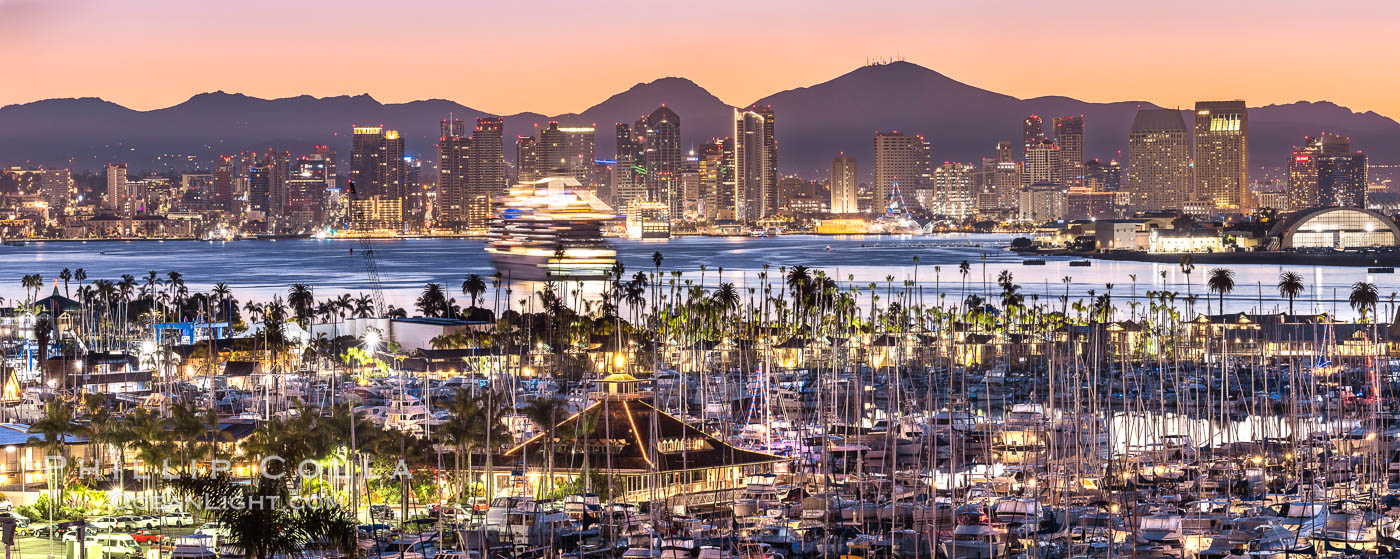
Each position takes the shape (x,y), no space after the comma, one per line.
(670,446)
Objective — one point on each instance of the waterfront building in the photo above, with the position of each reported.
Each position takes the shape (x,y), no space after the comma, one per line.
(629,173)
(306,191)
(952,191)
(1220,154)
(1042,202)
(1324,171)
(1069,137)
(900,161)
(1085,203)
(844,178)
(378,174)
(755,163)
(1336,228)
(1159,161)
(486,173)
(716,172)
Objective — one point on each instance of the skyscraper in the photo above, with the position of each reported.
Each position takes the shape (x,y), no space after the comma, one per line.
(378,173)
(567,151)
(306,191)
(844,178)
(55,186)
(952,190)
(716,169)
(899,160)
(486,171)
(629,177)
(527,159)
(1159,161)
(1325,172)
(454,150)
(1032,132)
(1069,135)
(755,163)
(1221,153)
(116,187)
(660,134)
(1042,163)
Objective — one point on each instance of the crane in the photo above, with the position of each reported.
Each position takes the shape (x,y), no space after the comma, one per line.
(371,266)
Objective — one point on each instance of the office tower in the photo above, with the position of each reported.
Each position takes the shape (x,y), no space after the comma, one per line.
(1069,136)
(1032,132)
(116,188)
(660,139)
(1043,201)
(454,150)
(755,163)
(259,183)
(415,194)
(690,185)
(998,184)
(1004,152)
(486,171)
(629,177)
(715,163)
(224,178)
(1159,161)
(325,153)
(1325,172)
(378,173)
(279,163)
(55,186)
(527,159)
(844,179)
(567,151)
(900,162)
(1042,163)
(1221,153)
(952,191)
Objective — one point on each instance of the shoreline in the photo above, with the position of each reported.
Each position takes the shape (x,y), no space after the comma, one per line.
(1264,258)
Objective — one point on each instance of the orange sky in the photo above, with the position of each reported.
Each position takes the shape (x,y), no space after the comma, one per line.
(554,56)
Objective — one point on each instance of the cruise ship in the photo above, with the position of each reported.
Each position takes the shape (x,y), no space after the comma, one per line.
(551,229)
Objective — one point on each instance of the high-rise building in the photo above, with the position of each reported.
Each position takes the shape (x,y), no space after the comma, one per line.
(755,163)
(998,184)
(952,191)
(629,173)
(844,179)
(1069,136)
(117,199)
(900,161)
(660,138)
(454,151)
(715,162)
(1159,161)
(55,186)
(1325,172)
(325,153)
(378,173)
(527,159)
(1044,201)
(1102,177)
(1032,132)
(1221,153)
(306,191)
(1042,163)
(567,151)
(486,172)
(224,179)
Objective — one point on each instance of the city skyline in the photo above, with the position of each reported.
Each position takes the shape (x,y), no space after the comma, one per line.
(824,40)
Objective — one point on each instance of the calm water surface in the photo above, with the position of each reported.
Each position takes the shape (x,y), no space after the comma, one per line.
(262,268)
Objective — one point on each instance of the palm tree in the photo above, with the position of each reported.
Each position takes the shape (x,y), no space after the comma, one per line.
(1221,281)
(364,306)
(433,301)
(1363,298)
(473,287)
(302,302)
(66,275)
(1187,265)
(222,293)
(1290,285)
(547,411)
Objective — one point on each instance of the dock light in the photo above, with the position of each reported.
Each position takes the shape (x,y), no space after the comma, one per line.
(372,339)
(1113,508)
(1256,459)
(1371,436)
(619,361)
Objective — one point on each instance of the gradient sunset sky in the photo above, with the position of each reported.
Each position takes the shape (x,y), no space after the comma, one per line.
(550,56)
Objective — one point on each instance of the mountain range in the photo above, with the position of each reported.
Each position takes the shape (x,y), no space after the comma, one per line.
(814,123)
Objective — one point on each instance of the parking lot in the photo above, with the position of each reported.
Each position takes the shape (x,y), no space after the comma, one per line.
(27,547)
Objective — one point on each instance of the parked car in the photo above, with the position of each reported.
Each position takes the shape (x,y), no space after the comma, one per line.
(144,521)
(21,521)
(216,529)
(148,537)
(42,530)
(176,519)
(103,523)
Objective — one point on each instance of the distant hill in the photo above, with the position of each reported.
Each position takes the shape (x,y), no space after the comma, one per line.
(963,122)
